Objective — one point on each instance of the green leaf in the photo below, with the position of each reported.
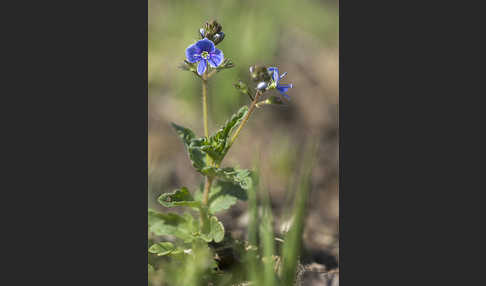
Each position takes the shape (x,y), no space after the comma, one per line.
(181,227)
(162,248)
(218,144)
(225,194)
(216,231)
(179,197)
(221,203)
(192,145)
(241,177)
(233,185)
(196,154)
(184,133)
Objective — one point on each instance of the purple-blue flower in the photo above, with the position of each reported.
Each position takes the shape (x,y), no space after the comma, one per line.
(282,88)
(203,52)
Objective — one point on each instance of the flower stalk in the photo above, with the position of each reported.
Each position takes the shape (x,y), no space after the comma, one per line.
(208,180)
(245,119)
(205,103)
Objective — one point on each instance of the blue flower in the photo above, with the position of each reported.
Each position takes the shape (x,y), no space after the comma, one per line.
(203,52)
(282,88)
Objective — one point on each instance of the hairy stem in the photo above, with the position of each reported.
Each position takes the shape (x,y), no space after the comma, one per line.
(208,180)
(245,119)
(205,104)
(212,73)
(207,187)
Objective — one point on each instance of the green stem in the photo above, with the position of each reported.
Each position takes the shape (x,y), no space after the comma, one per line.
(208,180)
(207,187)
(205,104)
(245,119)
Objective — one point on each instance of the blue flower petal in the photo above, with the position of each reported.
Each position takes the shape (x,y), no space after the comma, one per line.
(205,45)
(283,88)
(286,96)
(201,67)
(216,58)
(193,53)
(274,71)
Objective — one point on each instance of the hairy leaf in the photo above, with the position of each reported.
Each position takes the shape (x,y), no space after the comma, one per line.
(223,195)
(184,133)
(162,248)
(216,231)
(181,227)
(240,177)
(218,144)
(179,197)
(192,145)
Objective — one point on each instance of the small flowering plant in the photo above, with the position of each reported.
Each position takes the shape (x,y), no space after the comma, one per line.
(223,186)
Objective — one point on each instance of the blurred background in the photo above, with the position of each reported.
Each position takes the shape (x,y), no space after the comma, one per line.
(299,37)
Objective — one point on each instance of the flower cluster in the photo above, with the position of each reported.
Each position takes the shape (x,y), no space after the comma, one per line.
(204,53)
(269,78)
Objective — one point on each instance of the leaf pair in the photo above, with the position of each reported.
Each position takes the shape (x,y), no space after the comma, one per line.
(239,177)
(183,227)
(222,196)
(216,146)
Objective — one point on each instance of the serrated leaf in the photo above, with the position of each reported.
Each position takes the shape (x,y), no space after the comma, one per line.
(227,190)
(225,194)
(181,227)
(179,197)
(221,203)
(241,177)
(184,133)
(196,154)
(218,144)
(192,146)
(216,231)
(162,248)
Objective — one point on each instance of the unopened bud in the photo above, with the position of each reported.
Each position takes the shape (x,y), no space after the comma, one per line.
(218,38)
(202,33)
(262,85)
(213,31)
(259,73)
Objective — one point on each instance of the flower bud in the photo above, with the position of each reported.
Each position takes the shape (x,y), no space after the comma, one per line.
(202,33)
(218,38)
(212,31)
(259,73)
(262,85)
